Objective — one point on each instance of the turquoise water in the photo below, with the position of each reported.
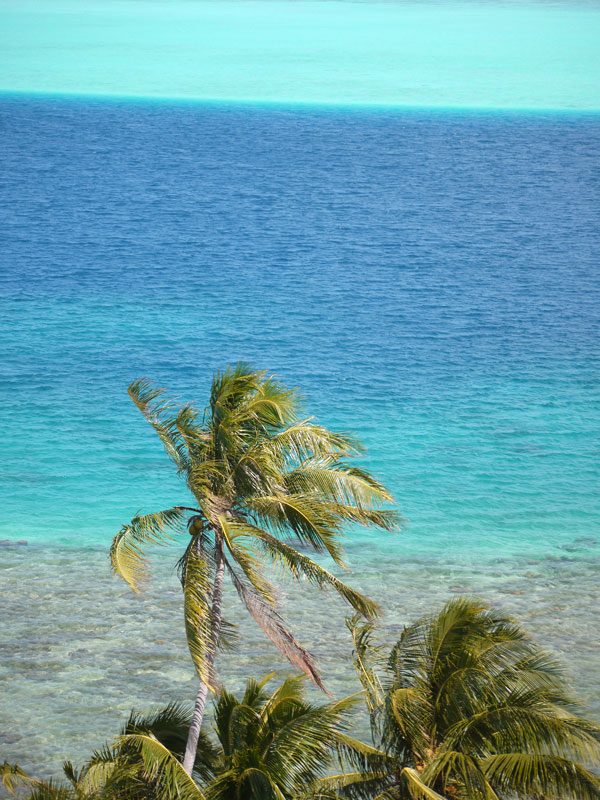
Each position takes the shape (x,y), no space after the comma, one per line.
(445,54)
(428,278)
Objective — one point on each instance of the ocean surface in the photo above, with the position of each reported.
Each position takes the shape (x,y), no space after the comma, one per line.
(445,53)
(428,278)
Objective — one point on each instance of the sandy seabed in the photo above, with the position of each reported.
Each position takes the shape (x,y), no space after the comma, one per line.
(82,649)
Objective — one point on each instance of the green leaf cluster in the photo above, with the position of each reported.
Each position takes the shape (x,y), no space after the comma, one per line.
(466,706)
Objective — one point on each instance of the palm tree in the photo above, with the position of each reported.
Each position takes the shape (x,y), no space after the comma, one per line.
(273,745)
(470,708)
(124,770)
(259,474)
(270,746)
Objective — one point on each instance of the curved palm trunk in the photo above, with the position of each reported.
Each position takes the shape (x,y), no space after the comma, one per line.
(199,706)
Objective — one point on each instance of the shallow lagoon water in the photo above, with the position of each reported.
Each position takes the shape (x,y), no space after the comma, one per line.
(427,278)
(492,54)
(83,649)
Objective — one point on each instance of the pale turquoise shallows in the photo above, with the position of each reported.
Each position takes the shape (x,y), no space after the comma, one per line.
(434,54)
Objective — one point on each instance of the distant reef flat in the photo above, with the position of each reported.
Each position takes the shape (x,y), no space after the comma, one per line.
(533,55)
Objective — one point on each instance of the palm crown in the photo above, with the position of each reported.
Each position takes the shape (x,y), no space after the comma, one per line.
(273,744)
(270,745)
(471,708)
(260,475)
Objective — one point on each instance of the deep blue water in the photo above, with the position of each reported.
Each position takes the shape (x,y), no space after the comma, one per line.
(429,280)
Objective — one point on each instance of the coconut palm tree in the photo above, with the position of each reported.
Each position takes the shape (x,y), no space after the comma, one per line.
(271,745)
(260,475)
(470,708)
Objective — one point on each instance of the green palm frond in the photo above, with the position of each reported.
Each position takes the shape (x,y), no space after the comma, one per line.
(367,658)
(444,632)
(113,773)
(526,720)
(169,725)
(230,638)
(272,405)
(301,746)
(251,783)
(302,736)
(71,774)
(160,764)
(536,775)
(413,716)
(536,667)
(359,784)
(127,550)
(260,783)
(455,768)
(300,566)
(100,775)
(385,519)
(232,721)
(305,440)
(337,481)
(102,755)
(52,790)
(13,776)
(305,516)
(362,750)
(189,424)
(255,694)
(387,794)
(245,405)
(351,494)
(197,593)
(233,385)
(282,704)
(162,416)
(239,540)
(204,477)
(417,788)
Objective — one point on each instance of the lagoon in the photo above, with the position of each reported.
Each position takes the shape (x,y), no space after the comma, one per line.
(527,55)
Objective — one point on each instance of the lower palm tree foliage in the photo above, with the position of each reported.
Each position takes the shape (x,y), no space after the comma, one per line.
(124,770)
(467,707)
(273,745)
(270,745)
(260,476)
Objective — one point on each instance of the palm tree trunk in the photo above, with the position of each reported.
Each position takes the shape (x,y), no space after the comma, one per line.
(217,598)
